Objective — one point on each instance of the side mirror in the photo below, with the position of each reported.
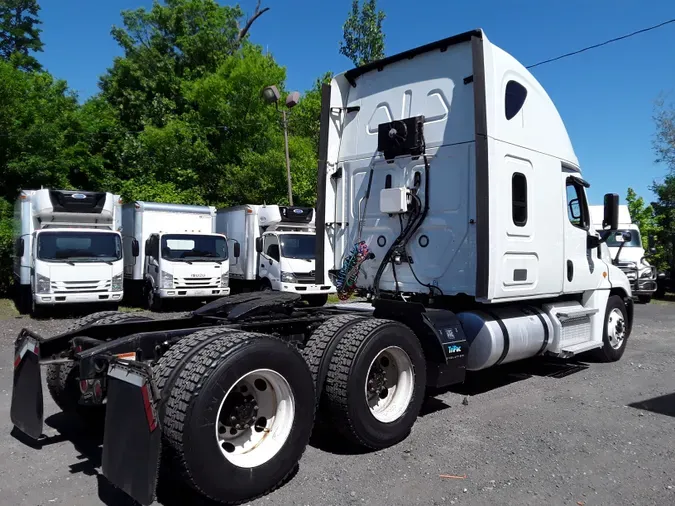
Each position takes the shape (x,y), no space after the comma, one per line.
(147,246)
(20,247)
(236,249)
(135,250)
(627,236)
(651,241)
(611,215)
(259,244)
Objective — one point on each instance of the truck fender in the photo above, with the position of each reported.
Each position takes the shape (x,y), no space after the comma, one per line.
(440,333)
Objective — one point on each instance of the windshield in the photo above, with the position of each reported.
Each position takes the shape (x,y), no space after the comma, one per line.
(79,247)
(298,246)
(187,247)
(634,242)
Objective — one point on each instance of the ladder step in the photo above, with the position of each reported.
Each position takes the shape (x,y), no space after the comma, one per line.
(573,313)
(581,347)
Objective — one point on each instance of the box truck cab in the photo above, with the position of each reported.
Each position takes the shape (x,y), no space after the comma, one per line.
(67,249)
(277,249)
(172,252)
(627,253)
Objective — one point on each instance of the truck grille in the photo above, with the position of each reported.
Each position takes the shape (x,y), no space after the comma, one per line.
(81,286)
(305,278)
(182,283)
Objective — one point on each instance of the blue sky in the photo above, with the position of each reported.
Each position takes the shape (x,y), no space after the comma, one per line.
(605,96)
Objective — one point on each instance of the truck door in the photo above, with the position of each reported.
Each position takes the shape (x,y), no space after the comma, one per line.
(580,272)
(270,267)
(152,259)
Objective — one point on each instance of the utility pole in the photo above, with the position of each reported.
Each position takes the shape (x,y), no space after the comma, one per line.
(271,95)
(288,159)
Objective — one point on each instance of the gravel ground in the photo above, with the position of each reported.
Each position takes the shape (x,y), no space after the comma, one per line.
(531,434)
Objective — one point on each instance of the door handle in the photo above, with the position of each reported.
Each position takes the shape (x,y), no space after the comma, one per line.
(570,270)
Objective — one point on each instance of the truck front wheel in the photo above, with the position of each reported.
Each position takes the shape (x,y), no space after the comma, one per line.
(239,416)
(316,300)
(615,332)
(152,299)
(375,384)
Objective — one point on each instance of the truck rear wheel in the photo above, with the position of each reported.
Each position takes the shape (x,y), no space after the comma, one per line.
(63,379)
(375,384)
(615,332)
(239,416)
(321,346)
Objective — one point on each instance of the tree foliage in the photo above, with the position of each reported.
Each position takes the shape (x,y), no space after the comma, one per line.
(19,33)
(363,38)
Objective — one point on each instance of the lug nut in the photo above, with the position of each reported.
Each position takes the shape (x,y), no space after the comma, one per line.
(247,426)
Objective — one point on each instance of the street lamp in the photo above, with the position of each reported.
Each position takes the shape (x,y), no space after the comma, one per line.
(271,95)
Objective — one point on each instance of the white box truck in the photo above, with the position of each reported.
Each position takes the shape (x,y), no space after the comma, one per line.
(627,253)
(68,249)
(277,248)
(172,252)
(448,189)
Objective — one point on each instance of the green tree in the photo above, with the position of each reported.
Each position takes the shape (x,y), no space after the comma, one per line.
(37,114)
(363,38)
(180,118)
(19,33)
(664,206)
(643,216)
(305,119)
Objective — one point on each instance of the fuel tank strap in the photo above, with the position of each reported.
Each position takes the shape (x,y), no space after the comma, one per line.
(505,333)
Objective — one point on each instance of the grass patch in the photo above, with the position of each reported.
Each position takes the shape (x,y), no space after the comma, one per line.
(7,309)
(130,309)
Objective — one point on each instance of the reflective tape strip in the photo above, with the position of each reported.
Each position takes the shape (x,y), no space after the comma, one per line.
(28,345)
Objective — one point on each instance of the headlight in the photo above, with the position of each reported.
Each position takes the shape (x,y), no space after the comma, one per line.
(42,284)
(288,277)
(117,283)
(167,280)
(224,280)
(647,273)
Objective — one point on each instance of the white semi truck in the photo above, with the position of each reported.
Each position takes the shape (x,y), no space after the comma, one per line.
(67,249)
(277,250)
(171,252)
(627,253)
(449,191)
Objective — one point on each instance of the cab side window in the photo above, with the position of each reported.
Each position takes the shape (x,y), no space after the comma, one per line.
(272,247)
(152,247)
(577,207)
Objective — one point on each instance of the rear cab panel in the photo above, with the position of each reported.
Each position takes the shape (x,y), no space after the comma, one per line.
(441,92)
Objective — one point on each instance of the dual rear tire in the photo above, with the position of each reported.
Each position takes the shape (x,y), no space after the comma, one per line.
(236,407)
(372,375)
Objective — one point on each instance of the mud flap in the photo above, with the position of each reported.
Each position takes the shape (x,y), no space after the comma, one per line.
(27,411)
(132,437)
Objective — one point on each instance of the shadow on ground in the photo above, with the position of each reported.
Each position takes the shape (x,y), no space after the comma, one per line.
(663,405)
(87,439)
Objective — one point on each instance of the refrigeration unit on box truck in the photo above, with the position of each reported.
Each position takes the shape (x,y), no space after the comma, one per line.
(448,190)
(172,252)
(277,249)
(68,249)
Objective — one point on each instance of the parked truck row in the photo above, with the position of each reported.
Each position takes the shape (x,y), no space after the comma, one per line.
(87,247)
(450,194)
